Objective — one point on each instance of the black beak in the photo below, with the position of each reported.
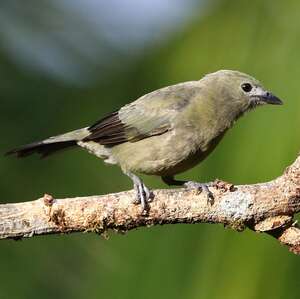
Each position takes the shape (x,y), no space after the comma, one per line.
(269,98)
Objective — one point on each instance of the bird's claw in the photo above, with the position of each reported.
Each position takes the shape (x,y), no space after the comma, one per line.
(201,187)
(143,196)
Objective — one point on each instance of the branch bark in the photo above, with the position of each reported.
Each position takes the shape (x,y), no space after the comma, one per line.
(267,207)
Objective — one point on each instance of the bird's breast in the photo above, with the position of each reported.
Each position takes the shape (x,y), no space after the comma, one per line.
(168,154)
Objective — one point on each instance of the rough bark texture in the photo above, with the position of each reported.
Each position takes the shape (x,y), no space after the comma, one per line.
(266,207)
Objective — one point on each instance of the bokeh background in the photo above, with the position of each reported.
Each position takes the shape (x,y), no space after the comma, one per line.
(64,64)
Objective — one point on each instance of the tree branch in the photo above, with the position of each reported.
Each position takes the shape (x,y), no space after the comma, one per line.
(266,207)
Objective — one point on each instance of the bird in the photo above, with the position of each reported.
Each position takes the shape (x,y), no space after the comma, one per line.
(167,131)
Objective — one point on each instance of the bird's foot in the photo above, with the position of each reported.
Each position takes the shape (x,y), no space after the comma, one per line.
(143,195)
(201,187)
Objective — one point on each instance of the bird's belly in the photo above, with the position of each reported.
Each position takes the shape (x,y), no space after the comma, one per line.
(162,155)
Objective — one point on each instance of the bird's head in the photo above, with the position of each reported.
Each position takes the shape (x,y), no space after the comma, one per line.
(239,92)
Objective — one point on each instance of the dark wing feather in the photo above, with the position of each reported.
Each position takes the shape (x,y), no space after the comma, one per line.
(112,131)
(108,131)
(150,115)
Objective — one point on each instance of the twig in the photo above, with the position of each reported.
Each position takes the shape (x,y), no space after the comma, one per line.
(267,207)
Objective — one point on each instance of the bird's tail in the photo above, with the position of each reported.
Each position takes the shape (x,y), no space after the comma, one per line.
(51,145)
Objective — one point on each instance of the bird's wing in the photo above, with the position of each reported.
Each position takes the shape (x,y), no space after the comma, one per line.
(150,115)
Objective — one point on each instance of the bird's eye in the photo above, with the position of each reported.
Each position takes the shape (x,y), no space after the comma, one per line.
(246,87)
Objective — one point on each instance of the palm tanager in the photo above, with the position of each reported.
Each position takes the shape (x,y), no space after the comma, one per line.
(167,131)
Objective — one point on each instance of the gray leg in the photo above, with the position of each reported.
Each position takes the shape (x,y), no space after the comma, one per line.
(143,194)
(191,185)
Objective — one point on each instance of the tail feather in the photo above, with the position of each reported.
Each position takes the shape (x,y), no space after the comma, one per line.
(51,145)
(44,149)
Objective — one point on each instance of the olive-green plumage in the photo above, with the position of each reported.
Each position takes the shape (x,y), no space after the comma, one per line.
(166,131)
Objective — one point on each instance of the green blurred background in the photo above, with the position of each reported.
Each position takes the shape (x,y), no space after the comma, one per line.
(64,64)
